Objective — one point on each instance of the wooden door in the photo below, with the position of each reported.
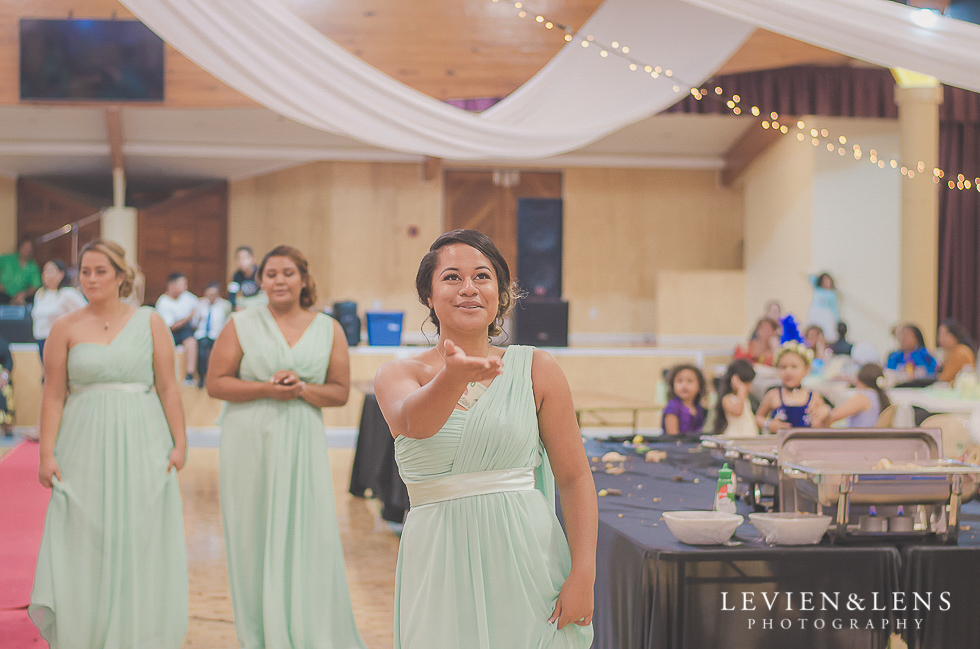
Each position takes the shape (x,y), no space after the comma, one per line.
(473,200)
(187,233)
(42,209)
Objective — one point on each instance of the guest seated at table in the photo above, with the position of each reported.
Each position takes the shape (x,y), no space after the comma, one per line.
(759,348)
(684,414)
(791,405)
(842,346)
(213,312)
(178,307)
(815,340)
(912,359)
(733,412)
(863,408)
(957,347)
(19,275)
(773,311)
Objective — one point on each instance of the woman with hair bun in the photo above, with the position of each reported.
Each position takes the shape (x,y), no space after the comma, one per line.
(481,437)
(277,365)
(112,570)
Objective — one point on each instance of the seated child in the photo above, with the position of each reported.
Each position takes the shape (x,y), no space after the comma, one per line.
(684,414)
(862,409)
(733,413)
(791,405)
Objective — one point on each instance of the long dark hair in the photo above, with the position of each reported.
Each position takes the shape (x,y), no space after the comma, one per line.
(63,269)
(702,385)
(506,291)
(958,332)
(744,371)
(920,340)
(873,376)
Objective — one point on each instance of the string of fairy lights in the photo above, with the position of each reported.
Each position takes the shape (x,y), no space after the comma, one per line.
(817,136)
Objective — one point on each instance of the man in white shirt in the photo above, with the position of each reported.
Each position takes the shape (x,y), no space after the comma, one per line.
(212,314)
(178,308)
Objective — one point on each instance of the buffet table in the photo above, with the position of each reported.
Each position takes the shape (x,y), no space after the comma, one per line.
(655,592)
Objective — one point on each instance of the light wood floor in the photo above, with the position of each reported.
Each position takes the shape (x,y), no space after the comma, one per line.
(370,551)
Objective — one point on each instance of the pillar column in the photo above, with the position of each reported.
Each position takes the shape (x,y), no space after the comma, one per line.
(119,225)
(918,116)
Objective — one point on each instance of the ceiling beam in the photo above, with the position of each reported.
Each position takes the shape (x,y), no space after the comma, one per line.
(113,127)
(750,146)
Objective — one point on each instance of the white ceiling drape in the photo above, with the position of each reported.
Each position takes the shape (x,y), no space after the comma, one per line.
(876,31)
(266,52)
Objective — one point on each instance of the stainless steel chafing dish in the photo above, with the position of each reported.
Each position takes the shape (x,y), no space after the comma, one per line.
(754,462)
(836,469)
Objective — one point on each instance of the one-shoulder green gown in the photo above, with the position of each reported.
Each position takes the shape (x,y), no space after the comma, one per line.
(112,569)
(483,571)
(285,560)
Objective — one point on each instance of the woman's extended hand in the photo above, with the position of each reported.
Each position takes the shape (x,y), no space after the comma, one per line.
(470,369)
(575,603)
(48,470)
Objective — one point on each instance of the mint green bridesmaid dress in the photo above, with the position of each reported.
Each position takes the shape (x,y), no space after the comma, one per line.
(482,555)
(285,560)
(112,569)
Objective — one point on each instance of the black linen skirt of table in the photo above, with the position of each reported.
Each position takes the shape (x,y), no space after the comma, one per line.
(374,465)
(941,595)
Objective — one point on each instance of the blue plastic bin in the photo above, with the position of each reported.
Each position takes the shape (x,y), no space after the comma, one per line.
(384,328)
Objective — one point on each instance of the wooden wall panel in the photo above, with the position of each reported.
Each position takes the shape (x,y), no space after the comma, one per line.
(42,209)
(363,226)
(624,226)
(472,200)
(188,233)
(684,313)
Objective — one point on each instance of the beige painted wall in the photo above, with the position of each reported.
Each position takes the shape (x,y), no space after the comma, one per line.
(624,226)
(809,211)
(8,214)
(353,222)
(778,190)
(701,303)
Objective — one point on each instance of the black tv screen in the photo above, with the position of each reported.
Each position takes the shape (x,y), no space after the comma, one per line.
(90,60)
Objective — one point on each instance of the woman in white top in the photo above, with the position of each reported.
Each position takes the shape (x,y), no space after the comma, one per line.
(54,299)
(733,413)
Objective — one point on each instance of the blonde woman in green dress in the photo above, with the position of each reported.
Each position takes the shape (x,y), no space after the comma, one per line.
(112,568)
(277,366)
(483,561)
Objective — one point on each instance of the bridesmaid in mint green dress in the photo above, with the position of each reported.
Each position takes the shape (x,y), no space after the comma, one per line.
(481,436)
(112,568)
(277,366)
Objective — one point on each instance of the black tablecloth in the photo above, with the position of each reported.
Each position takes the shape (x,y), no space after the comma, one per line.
(653,592)
(374,464)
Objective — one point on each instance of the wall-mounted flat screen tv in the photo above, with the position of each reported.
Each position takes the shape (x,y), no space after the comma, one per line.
(90,60)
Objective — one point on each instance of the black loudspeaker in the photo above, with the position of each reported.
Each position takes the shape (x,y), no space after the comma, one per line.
(539,247)
(16,324)
(542,323)
(346,314)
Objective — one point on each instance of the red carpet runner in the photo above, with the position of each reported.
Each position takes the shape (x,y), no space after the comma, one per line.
(23,502)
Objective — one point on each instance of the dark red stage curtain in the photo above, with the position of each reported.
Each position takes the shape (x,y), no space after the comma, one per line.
(959,234)
(870,92)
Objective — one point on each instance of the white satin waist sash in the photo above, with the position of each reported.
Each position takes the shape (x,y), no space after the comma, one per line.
(117,387)
(464,485)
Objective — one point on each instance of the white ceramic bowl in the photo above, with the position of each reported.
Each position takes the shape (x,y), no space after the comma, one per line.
(702,527)
(789,528)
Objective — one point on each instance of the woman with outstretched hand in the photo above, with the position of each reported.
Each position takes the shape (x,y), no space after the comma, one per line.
(481,436)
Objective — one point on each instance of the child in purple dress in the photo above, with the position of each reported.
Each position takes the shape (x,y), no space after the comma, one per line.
(684,414)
